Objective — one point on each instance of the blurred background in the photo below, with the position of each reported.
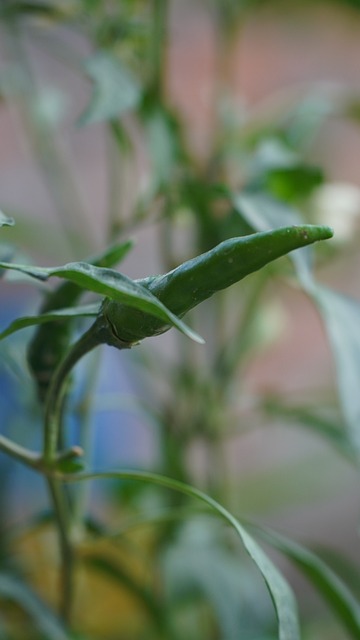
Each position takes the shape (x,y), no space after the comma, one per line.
(259,97)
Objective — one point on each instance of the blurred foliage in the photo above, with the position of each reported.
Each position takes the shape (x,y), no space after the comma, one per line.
(146,560)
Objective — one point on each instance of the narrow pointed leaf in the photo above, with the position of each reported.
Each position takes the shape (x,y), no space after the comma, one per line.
(341,316)
(308,417)
(281,593)
(44,619)
(342,602)
(90,311)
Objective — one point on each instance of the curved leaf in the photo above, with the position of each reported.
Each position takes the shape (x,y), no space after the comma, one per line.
(45,620)
(90,310)
(280,592)
(341,316)
(332,588)
(109,283)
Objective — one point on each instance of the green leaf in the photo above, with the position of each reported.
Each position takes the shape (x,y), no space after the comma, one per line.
(280,171)
(90,311)
(263,212)
(115,89)
(5,221)
(293,183)
(196,564)
(41,9)
(109,283)
(311,419)
(281,594)
(330,586)
(112,255)
(69,466)
(341,316)
(11,588)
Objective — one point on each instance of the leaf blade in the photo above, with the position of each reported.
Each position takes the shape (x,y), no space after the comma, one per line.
(280,591)
(115,89)
(85,311)
(326,581)
(109,283)
(45,620)
(6,221)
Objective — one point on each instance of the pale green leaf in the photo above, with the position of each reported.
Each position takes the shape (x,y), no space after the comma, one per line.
(263,212)
(11,588)
(115,89)
(342,602)
(5,221)
(280,592)
(341,316)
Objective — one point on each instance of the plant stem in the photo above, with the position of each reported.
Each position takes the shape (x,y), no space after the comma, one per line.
(27,457)
(53,416)
(158,46)
(97,334)
(61,510)
(57,390)
(83,415)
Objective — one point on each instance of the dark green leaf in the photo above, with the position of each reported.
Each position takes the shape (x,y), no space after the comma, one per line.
(69,466)
(90,310)
(293,183)
(11,588)
(115,89)
(334,591)
(41,9)
(110,283)
(112,255)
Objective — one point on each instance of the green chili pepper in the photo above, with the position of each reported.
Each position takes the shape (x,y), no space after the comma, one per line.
(50,341)
(196,280)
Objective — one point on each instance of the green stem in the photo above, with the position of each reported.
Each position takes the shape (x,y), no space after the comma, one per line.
(53,416)
(57,390)
(158,46)
(61,511)
(83,414)
(27,457)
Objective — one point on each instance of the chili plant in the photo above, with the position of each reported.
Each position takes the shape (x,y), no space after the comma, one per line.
(169,564)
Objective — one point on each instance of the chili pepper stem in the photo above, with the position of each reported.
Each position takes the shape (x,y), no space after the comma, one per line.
(97,334)
(57,390)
